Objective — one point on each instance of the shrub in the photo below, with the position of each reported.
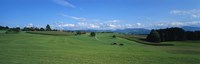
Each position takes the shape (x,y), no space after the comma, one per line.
(92,34)
(13,30)
(78,33)
(121,44)
(113,43)
(114,36)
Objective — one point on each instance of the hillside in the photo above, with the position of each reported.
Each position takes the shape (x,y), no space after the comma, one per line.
(25,48)
(133,31)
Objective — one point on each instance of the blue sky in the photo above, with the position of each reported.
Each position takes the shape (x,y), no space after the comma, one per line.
(100,14)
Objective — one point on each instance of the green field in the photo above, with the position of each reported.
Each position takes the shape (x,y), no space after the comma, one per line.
(26,48)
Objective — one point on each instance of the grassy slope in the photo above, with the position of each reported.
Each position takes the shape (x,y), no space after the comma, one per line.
(27,48)
(55,33)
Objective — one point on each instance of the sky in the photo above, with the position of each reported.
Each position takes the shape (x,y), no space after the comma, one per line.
(100,14)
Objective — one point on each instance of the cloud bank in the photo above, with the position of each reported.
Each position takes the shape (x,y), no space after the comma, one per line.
(113,24)
(194,13)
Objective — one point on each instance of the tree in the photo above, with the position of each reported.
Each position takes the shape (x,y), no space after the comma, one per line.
(25,29)
(173,34)
(114,36)
(197,35)
(92,34)
(78,33)
(154,37)
(42,29)
(4,28)
(48,28)
(193,35)
(37,29)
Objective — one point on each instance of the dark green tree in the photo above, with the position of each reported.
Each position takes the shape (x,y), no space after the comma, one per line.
(25,29)
(92,34)
(37,29)
(42,29)
(154,37)
(48,27)
(114,36)
(4,28)
(78,33)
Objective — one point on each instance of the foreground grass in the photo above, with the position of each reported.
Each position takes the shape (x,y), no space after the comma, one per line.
(27,48)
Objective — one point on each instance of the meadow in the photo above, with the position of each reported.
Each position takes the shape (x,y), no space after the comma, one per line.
(27,48)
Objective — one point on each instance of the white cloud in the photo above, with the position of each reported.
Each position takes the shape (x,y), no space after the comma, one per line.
(94,26)
(138,24)
(85,23)
(194,13)
(78,18)
(30,25)
(114,21)
(194,23)
(61,25)
(75,18)
(67,25)
(112,26)
(128,26)
(88,25)
(175,24)
(82,24)
(64,3)
(97,25)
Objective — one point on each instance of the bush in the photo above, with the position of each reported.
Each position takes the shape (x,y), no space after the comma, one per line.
(78,33)
(121,44)
(113,43)
(114,36)
(92,34)
(13,30)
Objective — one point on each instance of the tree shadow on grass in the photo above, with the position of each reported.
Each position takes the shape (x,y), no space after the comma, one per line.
(143,41)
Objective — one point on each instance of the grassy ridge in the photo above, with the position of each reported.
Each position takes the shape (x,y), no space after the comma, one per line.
(25,48)
(55,33)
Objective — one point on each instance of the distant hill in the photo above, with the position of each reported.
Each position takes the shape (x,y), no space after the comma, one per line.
(190,28)
(126,31)
(133,31)
(92,30)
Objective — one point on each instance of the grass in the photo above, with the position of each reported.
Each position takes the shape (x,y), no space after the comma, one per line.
(26,48)
(141,39)
(55,33)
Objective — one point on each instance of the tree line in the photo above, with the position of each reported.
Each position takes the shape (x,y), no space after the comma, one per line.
(48,28)
(18,29)
(172,34)
(4,27)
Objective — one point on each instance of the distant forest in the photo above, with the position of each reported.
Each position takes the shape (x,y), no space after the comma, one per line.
(172,34)
(18,29)
(48,28)
(4,27)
